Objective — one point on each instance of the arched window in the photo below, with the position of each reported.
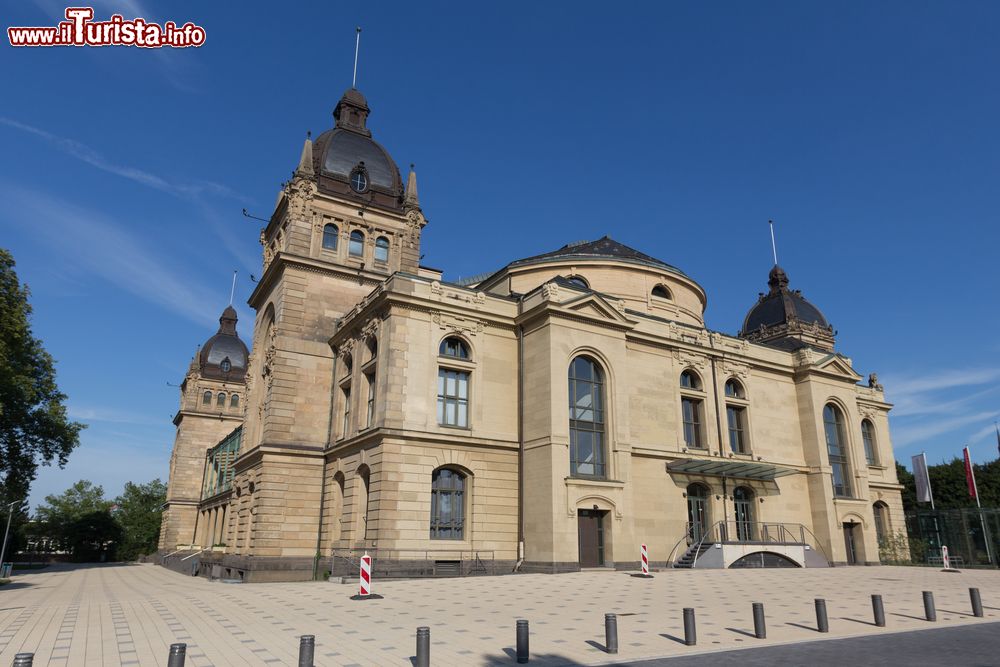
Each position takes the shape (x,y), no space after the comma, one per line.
(357,245)
(206,398)
(220,400)
(690,380)
(330,233)
(348,364)
(364,498)
(225,365)
(734,389)
(372,345)
(691,411)
(447,505)
(381,249)
(578,281)
(836,447)
(454,347)
(881,512)
(234,401)
(661,292)
(697,497)
(586,418)
(743,511)
(868,437)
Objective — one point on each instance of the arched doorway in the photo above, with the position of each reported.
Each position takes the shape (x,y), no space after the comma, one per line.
(853,544)
(743,506)
(697,497)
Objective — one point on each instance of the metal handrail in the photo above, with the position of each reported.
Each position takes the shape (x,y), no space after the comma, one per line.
(697,546)
(759,532)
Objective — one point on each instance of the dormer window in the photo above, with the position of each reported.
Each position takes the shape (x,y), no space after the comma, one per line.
(226,365)
(359,179)
(578,281)
(661,292)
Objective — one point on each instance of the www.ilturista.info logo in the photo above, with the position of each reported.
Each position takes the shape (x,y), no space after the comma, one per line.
(81,30)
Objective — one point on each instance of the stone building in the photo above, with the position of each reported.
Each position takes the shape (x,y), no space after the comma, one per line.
(552,415)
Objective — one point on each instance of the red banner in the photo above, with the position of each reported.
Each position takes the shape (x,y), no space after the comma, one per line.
(970,478)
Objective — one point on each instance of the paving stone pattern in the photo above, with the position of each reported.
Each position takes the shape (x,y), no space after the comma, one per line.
(130,614)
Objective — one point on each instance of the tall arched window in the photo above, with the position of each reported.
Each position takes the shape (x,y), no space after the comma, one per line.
(736,417)
(881,512)
(868,437)
(836,447)
(234,401)
(364,496)
(447,505)
(220,400)
(206,398)
(381,249)
(691,410)
(330,233)
(453,384)
(357,245)
(586,418)
(743,510)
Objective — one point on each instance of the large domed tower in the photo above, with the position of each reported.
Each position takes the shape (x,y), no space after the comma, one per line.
(212,403)
(341,226)
(783,318)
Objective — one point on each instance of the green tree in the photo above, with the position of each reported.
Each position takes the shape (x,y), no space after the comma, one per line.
(34,427)
(138,512)
(79,521)
(909,491)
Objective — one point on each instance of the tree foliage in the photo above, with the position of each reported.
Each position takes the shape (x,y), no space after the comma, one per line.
(138,512)
(34,427)
(949,486)
(79,522)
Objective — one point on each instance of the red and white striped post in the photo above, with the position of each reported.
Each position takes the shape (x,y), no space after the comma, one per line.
(366,575)
(645,561)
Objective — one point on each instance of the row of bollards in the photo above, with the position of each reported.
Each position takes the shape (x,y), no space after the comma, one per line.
(307,643)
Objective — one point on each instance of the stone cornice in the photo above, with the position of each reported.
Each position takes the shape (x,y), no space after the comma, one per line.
(310,265)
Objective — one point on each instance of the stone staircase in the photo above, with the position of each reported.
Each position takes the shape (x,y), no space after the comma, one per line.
(693,553)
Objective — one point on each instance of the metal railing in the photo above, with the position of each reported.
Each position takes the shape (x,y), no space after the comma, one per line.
(747,532)
(415,562)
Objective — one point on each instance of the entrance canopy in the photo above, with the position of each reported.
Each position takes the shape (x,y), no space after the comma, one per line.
(729,468)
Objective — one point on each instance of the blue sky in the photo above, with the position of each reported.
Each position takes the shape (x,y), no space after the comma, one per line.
(867,131)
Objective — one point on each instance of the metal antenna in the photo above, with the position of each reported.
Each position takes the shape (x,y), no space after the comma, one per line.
(232,291)
(357,47)
(774,248)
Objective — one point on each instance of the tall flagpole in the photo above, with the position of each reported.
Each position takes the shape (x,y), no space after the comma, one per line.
(930,489)
(979,505)
(357,47)
(774,248)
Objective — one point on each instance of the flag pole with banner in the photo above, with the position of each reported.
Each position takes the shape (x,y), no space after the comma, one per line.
(922,479)
(970,479)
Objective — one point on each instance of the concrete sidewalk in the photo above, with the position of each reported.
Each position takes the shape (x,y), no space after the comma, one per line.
(130,614)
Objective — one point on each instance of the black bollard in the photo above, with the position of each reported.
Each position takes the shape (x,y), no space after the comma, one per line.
(178,652)
(977,602)
(611,633)
(759,630)
(23,660)
(929,612)
(423,647)
(522,641)
(822,623)
(690,637)
(878,610)
(307,649)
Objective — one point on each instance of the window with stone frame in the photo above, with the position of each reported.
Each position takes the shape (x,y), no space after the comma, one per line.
(447,504)
(587,412)
(692,410)
(836,446)
(870,444)
(330,237)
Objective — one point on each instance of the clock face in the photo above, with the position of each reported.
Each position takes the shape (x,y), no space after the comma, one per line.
(359,182)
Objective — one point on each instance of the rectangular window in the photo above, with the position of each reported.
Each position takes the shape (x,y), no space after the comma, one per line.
(371,398)
(691,409)
(841,485)
(453,398)
(347,411)
(736,416)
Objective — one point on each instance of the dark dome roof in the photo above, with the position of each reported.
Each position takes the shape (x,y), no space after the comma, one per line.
(348,147)
(603,248)
(225,345)
(783,311)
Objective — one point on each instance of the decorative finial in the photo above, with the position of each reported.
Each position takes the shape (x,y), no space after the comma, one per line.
(309,134)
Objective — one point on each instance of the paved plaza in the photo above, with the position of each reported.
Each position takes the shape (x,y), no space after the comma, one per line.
(130,614)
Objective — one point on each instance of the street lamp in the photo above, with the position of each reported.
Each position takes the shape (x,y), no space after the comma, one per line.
(10,513)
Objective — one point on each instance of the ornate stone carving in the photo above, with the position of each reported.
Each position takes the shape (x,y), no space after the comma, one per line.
(456,323)
(873,382)
(685,358)
(550,292)
(436,288)
(734,368)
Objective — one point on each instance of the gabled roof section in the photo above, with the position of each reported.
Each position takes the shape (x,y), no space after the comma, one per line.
(595,305)
(603,248)
(837,364)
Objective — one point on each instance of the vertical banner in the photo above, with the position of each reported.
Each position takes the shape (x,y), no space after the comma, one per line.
(970,476)
(922,479)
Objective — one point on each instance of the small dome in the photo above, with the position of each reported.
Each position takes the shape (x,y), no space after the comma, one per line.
(224,356)
(348,149)
(784,317)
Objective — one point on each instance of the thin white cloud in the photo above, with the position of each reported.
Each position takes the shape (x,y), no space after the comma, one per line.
(90,156)
(97,245)
(111,415)
(908,435)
